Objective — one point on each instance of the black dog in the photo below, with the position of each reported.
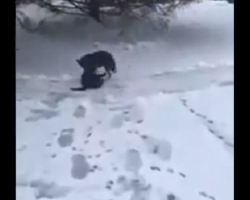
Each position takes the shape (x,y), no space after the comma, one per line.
(91,62)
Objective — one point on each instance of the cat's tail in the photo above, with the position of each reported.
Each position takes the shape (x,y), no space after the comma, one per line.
(78,89)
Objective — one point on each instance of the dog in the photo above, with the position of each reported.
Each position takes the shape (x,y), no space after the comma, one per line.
(91,62)
(92,77)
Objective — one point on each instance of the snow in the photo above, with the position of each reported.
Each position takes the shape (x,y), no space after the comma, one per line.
(161,129)
(140,140)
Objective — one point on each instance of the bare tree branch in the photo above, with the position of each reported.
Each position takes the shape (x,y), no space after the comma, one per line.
(96,8)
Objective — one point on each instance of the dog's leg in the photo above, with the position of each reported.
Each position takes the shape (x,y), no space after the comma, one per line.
(109,74)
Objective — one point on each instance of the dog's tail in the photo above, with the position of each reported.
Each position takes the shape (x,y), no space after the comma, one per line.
(78,89)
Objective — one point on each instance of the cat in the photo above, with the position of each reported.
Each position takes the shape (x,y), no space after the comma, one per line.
(90,81)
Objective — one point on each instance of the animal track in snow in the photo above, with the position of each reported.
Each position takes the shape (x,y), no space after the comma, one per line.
(117,121)
(80,166)
(39,114)
(66,137)
(133,160)
(48,190)
(161,148)
(210,124)
(80,112)
(54,99)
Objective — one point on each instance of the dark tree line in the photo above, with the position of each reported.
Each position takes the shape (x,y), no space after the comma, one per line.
(97,8)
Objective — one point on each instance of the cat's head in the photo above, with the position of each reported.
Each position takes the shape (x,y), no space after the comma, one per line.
(80,63)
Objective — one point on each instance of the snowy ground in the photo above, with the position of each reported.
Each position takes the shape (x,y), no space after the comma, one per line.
(161,129)
(152,146)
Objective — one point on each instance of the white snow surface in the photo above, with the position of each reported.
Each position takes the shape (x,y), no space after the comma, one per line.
(161,129)
(153,146)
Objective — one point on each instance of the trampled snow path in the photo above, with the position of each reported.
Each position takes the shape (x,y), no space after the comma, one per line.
(148,148)
(202,76)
